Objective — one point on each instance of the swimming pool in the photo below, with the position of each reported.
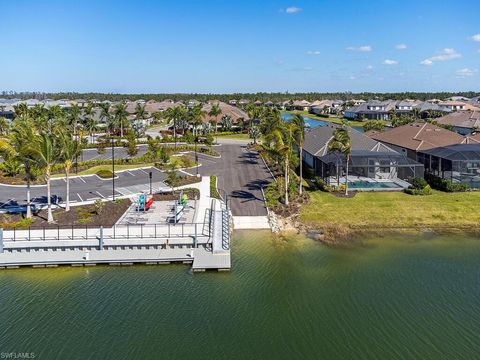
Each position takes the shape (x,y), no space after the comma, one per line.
(373,185)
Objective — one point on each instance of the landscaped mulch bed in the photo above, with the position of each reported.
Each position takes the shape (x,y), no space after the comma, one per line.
(85,215)
(191,194)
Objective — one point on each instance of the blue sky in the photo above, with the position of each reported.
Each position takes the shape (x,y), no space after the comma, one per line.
(240,46)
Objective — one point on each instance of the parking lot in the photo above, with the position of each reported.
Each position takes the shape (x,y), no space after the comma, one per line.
(87,188)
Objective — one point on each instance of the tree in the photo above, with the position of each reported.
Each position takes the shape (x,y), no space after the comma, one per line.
(132,149)
(17,148)
(214,112)
(227,123)
(173,179)
(140,113)
(4,126)
(120,114)
(374,125)
(299,122)
(68,151)
(254,133)
(195,115)
(45,151)
(278,143)
(341,143)
(174,114)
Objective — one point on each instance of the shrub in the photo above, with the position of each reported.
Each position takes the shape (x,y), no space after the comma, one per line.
(11,167)
(213,187)
(320,184)
(419,183)
(105,174)
(446,185)
(427,190)
(210,139)
(99,205)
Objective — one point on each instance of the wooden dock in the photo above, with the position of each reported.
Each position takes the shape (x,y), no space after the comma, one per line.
(204,246)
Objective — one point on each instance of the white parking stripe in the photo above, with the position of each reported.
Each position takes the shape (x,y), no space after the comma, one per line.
(82,179)
(185,172)
(79,197)
(100,194)
(143,171)
(130,173)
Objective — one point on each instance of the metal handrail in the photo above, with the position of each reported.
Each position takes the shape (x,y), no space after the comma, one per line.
(119,231)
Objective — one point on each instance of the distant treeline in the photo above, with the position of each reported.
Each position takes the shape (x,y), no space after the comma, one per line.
(263,97)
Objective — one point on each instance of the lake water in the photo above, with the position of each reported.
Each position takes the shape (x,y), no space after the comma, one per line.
(315,121)
(404,298)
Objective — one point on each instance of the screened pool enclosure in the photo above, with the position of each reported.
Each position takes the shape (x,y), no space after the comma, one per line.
(368,164)
(459,163)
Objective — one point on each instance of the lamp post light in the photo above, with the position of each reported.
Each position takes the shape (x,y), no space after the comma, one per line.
(150,177)
(113,170)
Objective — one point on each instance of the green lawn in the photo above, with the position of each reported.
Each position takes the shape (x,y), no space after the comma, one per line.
(393,209)
(95,169)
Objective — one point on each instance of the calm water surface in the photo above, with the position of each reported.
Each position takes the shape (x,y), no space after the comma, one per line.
(315,121)
(285,299)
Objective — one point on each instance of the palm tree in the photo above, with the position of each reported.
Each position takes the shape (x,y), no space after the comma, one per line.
(140,113)
(341,143)
(88,114)
(104,111)
(277,143)
(214,112)
(120,114)
(174,114)
(299,122)
(4,126)
(68,149)
(44,149)
(91,126)
(21,109)
(16,147)
(195,115)
(227,123)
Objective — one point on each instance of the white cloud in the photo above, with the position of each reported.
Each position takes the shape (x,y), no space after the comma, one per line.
(444,55)
(466,72)
(401,46)
(363,48)
(369,67)
(315,52)
(426,62)
(476,37)
(390,62)
(293,10)
(352,78)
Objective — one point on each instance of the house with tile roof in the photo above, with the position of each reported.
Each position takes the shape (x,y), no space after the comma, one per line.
(370,160)
(411,138)
(463,122)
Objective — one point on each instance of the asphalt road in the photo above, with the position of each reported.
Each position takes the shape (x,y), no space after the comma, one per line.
(241,174)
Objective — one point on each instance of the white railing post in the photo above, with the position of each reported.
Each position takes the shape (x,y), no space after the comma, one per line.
(1,240)
(100,240)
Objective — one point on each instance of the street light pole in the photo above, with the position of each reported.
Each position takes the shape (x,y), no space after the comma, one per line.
(150,177)
(113,171)
(196,157)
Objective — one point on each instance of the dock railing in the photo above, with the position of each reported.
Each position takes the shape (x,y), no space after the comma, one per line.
(117,232)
